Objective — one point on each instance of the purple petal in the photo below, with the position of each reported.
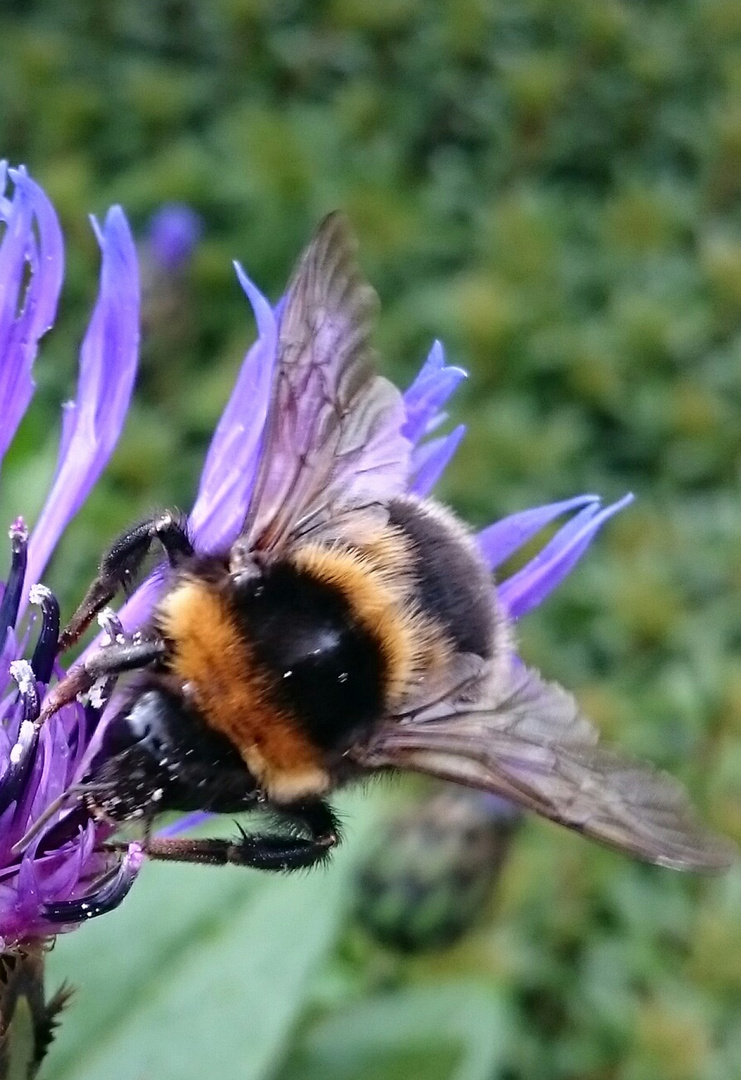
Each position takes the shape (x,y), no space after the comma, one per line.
(229,471)
(231,464)
(10,651)
(15,251)
(104,896)
(63,880)
(108,360)
(50,775)
(430,460)
(27,888)
(500,540)
(529,587)
(428,393)
(27,308)
(41,302)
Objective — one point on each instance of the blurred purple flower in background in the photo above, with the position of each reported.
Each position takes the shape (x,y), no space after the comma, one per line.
(173,233)
(64,875)
(167,309)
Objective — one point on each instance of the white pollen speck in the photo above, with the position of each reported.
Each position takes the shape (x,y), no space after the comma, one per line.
(16,753)
(37,594)
(157,794)
(97,694)
(343,677)
(26,731)
(18,530)
(287,674)
(22,672)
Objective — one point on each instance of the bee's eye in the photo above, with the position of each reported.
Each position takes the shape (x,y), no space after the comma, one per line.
(144,716)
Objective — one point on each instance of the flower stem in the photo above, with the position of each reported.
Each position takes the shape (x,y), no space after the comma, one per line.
(27,1019)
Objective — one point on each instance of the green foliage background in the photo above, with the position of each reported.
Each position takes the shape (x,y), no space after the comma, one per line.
(553,188)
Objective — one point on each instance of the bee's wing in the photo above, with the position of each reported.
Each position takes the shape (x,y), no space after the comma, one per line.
(533,746)
(333,435)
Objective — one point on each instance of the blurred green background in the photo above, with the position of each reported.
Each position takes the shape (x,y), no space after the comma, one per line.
(553,188)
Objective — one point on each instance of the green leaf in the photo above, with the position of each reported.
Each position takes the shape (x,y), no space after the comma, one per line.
(201,972)
(453,1030)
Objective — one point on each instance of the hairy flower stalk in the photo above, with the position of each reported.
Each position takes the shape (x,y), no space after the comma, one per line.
(65,874)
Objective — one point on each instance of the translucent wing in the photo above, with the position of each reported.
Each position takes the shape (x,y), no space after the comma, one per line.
(333,437)
(533,746)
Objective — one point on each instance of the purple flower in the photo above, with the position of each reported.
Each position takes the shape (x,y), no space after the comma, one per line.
(65,874)
(38,765)
(174,231)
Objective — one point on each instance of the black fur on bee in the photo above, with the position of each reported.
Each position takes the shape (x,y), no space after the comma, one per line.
(453,584)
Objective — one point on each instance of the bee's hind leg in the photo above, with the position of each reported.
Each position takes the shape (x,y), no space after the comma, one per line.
(121,563)
(262,851)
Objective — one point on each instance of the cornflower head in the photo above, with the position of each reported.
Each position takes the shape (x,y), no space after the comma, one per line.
(173,232)
(165,253)
(65,873)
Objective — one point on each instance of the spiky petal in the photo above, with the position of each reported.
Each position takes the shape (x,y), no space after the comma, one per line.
(31,244)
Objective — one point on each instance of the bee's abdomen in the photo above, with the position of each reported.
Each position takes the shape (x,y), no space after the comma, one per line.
(453,584)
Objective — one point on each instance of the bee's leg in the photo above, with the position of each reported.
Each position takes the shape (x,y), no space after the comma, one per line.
(120,564)
(263,852)
(109,661)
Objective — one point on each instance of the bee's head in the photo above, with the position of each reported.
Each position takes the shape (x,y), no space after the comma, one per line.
(245,566)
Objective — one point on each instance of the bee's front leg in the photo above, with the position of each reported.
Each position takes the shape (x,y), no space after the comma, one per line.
(103,663)
(121,563)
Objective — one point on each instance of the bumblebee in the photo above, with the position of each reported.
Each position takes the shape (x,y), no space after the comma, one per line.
(349,629)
